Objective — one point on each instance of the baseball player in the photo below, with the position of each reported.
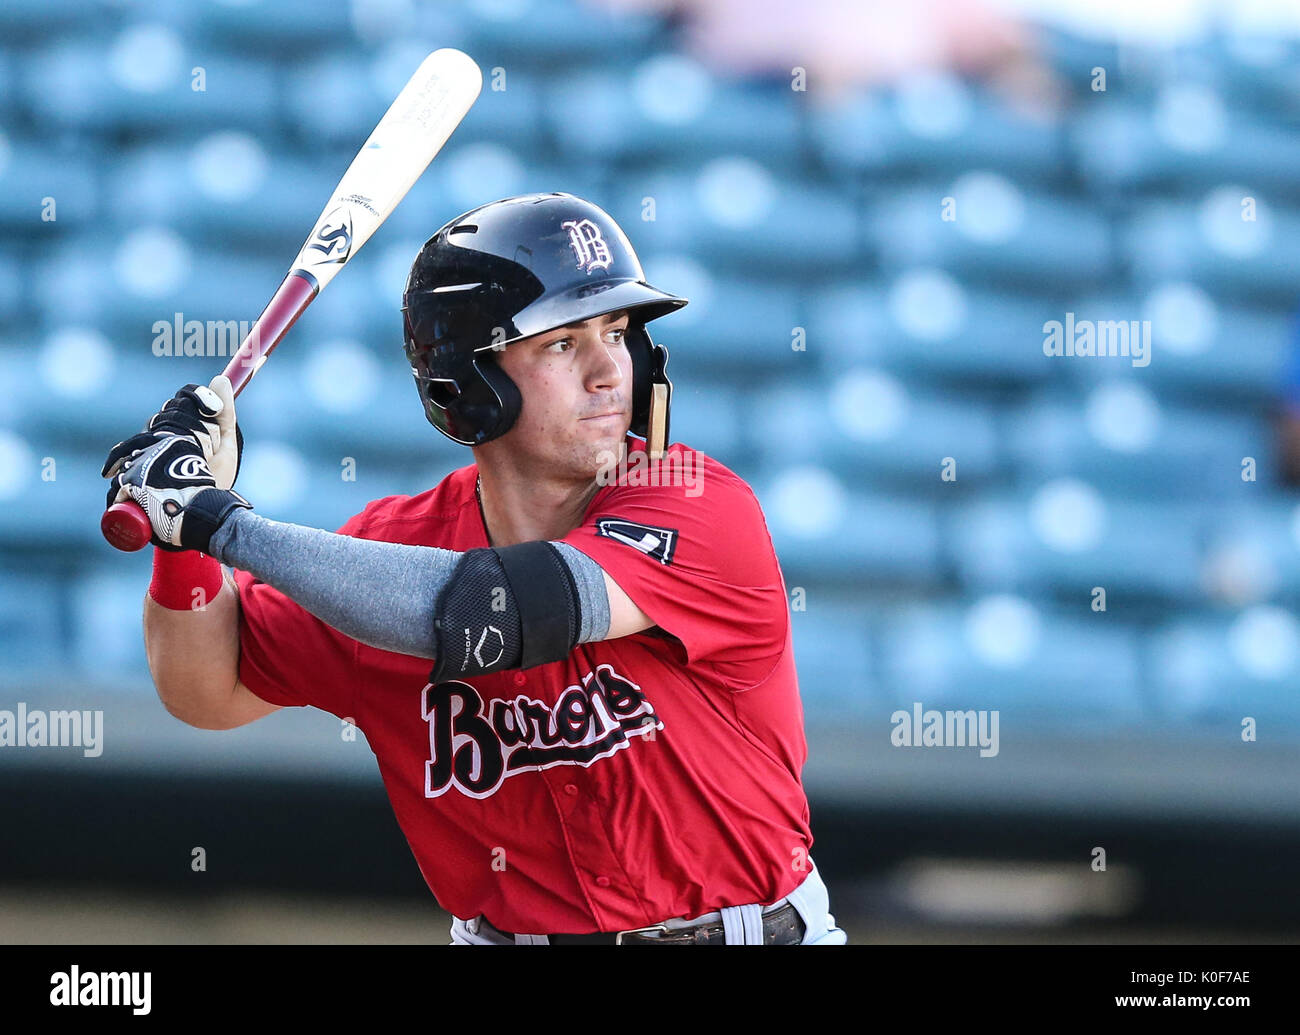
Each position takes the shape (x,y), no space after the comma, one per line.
(572,657)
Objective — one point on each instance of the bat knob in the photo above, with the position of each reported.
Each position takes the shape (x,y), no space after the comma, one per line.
(126,527)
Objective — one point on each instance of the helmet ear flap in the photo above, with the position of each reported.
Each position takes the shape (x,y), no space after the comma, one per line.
(507,392)
(649,368)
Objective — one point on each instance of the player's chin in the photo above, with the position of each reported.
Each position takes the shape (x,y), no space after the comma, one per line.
(601,450)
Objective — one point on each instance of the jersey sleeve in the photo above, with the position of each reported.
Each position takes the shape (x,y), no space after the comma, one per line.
(702,567)
(288,656)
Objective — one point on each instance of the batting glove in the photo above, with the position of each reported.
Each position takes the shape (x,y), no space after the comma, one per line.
(173,484)
(204,414)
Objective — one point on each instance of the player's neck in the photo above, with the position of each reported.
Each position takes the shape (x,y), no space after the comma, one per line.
(517,510)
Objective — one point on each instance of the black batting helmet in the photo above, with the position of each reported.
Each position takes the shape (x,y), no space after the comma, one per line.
(509,270)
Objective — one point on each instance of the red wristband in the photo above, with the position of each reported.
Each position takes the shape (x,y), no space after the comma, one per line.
(184,580)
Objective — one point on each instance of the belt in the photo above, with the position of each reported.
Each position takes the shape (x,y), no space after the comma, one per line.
(782,926)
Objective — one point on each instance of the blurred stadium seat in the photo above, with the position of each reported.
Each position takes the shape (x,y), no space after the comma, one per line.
(1065,538)
(1224,670)
(935,124)
(1003,653)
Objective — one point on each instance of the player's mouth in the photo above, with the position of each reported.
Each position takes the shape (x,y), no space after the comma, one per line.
(613,415)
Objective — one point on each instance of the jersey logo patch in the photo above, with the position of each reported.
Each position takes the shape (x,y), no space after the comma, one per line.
(475,745)
(658,543)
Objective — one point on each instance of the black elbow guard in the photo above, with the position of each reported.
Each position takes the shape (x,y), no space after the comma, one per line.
(505,608)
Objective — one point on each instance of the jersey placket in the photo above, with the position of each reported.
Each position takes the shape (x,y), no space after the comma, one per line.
(575,794)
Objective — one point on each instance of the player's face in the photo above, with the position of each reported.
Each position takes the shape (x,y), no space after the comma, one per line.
(576,384)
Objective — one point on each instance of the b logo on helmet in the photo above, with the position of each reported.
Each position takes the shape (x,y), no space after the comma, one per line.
(589,247)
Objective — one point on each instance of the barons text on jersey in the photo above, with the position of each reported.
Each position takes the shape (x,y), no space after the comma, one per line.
(474,745)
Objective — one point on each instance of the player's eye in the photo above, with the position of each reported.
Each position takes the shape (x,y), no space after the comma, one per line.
(620,334)
(560,345)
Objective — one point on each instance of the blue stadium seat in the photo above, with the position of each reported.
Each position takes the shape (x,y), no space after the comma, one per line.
(833,657)
(1076,57)
(457,182)
(977,335)
(1147,549)
(1191,453)
(141,383)
(296,23)
(706,416)
(865,132)
(30,623)
(599,115)
(906,230)
(8,91)
(824,422)
(1167,240)
(554,35)
(1054,667)
(1268,80)
(1213,669)
(61,513)
(14,301)
(1240,354)
(389,428)
(512,116)
(1253,545)
(35,172)
(277,212)
(72,287)
(71,85)
(332,98)
(735,326)
(38,17)
(863,536)
(689,218)
(105,602)
(69,281)
(1119,146)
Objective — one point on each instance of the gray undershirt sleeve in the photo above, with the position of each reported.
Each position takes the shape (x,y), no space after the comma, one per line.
(593,598)
(381,594)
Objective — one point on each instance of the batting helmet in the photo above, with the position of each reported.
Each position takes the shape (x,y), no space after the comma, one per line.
(509,270)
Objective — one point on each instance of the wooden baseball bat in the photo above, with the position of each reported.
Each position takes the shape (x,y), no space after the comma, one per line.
(414,129)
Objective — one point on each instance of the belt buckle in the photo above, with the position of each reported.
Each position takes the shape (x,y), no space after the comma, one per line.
(661,928)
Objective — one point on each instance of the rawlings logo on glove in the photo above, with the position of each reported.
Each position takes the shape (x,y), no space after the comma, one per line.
(172,482)
(191,469)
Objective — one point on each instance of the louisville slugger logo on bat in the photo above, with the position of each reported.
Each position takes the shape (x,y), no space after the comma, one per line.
(333,236)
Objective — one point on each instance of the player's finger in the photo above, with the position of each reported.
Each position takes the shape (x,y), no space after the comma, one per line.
(121,452)
(225,393)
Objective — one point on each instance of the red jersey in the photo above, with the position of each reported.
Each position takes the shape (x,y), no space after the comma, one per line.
(643,778)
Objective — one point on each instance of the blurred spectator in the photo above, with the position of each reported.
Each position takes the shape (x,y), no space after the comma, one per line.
(848,44)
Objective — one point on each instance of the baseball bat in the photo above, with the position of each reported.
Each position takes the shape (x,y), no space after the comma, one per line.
(401,146)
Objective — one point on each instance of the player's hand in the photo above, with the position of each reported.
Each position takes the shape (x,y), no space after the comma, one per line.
(172,482)
(204,414)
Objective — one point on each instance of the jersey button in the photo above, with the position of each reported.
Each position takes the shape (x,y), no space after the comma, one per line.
(602,882)
(570,788)
(520,679)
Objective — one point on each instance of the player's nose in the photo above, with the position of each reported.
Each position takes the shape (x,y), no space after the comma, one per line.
(605,361)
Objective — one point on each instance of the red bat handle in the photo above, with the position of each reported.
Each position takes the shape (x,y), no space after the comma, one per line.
(125,525)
